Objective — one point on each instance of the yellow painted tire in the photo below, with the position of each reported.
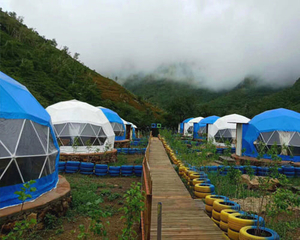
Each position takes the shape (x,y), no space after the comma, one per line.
(233,235)
(203,189)
(215,221)
(224,226)
(219,205)
(216,215)
(244,235)
(210,199)
(196,180)
(194,175)
(235,223)
(225,213)
(200,194)
(208,208)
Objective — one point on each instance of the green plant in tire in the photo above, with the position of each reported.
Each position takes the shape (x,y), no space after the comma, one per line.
(133,205)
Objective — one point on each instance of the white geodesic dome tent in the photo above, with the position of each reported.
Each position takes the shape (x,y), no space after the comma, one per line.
(224,129)
(189,126)
(81,127)
(28,148)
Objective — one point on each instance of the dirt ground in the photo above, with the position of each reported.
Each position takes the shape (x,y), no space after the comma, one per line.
(70,225)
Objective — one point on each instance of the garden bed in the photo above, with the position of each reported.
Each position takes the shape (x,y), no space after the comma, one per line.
(86,189)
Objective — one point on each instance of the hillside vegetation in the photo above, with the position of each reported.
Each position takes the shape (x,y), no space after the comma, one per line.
(182,100)
(52,75)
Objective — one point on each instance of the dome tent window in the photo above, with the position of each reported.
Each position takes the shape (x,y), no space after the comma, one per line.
(28,148)
(84,133)
(81,127)
(225,135)
(288,143)
(118,129)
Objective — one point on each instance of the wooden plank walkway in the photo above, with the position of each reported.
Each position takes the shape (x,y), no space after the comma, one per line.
(181,217)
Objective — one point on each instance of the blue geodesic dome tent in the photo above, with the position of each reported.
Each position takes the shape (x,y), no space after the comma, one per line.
(28,147)
(200,128)
(116,123)
(280,127)
(182,124)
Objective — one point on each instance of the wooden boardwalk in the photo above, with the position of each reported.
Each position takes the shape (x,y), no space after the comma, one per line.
(181,216)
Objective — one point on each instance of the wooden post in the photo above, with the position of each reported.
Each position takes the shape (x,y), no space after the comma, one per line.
(159,214)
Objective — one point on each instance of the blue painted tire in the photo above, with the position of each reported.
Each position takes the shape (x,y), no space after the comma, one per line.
(101,166)
(112,168)
(61,164)
(100,170)
(100,174)
(246,233)
(127,167)
(72,168)
(288,169)
(70,171)
(138,167)
(87,165)
(73,163)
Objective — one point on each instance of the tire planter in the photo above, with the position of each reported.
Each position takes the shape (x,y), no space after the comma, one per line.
(247,233)
(216,215)
(219,205)
(224,226)
(209,200)
(100,170)
(86,169)
(204,188)
(200,180)
(73,163)
(208,208)
(233,235)
(215,221)
(100,174)
(236,221)
(225,213)
(202,195)
(87,165)
(72,168)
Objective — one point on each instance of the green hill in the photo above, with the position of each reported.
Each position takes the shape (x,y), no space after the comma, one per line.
(183,100)
(52,75)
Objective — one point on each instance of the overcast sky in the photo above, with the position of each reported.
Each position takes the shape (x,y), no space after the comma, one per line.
(222,41)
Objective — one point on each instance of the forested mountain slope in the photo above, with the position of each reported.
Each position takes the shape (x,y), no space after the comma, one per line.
(182,100)
(52,75)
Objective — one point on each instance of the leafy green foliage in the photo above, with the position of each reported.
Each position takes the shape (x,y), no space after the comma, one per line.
(132,208)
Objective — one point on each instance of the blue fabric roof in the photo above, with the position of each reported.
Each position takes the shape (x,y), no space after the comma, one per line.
(16,102)
(202,123)
(113,117)
(184,121)
(278,119)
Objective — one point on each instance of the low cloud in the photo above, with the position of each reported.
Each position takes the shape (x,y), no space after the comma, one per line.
(216,43)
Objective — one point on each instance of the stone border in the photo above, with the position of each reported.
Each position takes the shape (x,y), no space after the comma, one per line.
(98,158)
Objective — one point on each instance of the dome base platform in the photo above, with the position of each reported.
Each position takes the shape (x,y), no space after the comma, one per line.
(55,202)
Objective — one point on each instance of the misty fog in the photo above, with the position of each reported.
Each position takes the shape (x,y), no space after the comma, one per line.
(216,43)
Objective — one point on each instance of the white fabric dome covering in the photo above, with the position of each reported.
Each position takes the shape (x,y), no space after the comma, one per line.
(81,127)
(224,129)
(189,126)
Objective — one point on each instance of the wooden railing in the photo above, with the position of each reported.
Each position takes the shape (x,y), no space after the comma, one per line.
(147,189)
